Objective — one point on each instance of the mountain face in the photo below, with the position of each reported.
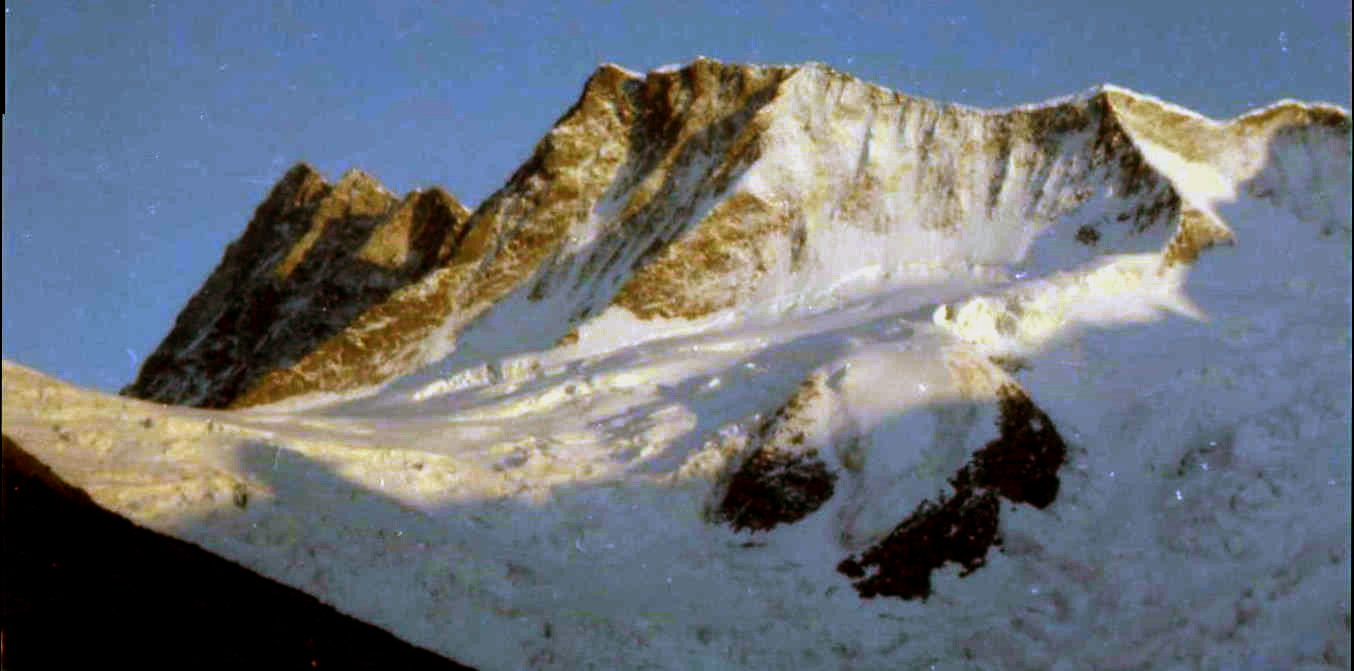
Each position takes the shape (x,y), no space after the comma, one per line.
(658,203)
(767,367)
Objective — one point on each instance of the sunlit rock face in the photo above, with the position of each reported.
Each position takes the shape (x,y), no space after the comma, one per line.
(768,367)
(313,258)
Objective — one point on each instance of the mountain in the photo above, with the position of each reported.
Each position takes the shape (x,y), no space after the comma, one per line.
(768,367)
(660,203)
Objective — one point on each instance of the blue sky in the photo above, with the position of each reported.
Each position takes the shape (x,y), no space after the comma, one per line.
(139,137)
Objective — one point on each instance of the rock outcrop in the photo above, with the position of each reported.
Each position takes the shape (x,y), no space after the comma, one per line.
(313,258)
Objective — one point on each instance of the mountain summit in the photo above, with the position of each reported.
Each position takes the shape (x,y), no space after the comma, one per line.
(313,259)
(661,203)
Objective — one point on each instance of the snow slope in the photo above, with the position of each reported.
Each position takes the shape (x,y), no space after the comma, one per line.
(994,446)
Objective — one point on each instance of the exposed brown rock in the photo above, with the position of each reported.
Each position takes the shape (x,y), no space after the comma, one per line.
(502,243)
(684,273)
(1196,232)
(313,257)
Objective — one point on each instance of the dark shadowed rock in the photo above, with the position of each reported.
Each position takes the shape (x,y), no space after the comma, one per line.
(958,529)
(1020,465)
(774,487)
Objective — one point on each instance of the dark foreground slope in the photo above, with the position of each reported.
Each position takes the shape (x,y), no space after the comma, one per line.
(85,588)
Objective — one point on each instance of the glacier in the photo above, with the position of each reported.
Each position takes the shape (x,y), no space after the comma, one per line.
(821,376)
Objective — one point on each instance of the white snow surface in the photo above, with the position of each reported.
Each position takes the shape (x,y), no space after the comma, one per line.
(548,509)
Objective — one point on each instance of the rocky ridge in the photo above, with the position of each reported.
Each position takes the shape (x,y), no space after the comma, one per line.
(669,198)
(312,259)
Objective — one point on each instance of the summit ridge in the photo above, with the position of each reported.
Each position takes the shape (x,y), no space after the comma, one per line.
(669,198)
(683,194)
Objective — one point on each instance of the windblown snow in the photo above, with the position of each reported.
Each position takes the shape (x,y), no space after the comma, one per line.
(1154,326)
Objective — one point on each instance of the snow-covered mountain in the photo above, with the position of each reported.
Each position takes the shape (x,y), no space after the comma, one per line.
(768,367)
(670,202)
